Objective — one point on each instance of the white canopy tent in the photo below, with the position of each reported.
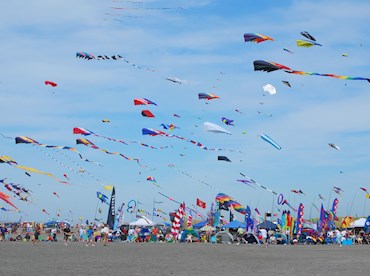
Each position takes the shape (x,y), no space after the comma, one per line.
(143,221)
(358,223)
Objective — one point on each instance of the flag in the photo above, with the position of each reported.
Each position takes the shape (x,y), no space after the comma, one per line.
(112,210)
(367,225)
(346,222)
(190,221)
(176,221)
(248,220)
(201,204)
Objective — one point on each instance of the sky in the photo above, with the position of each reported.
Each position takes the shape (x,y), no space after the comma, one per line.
(198,41)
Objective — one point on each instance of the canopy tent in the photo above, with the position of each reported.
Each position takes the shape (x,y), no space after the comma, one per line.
(188,231)
(200,224)
(266,224)
(143,221)
(234,224)
(358,223)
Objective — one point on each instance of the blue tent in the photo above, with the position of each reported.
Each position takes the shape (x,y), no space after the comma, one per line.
(266,224)
(200,224)
(234,224)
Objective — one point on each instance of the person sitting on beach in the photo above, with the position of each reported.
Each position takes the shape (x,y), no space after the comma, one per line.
(3,231)
(54,232)
(189,238)
(19,237)
(27,237)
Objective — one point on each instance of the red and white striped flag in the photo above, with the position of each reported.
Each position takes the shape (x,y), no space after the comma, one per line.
(176,222)
(190,220)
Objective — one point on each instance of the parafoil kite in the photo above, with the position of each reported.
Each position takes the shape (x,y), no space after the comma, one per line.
(261,65)
(53,84)
(211,127)
(269,140)
(147,113)
(227,202)
(103,198)
(207,96)
(257,38)
(223,158)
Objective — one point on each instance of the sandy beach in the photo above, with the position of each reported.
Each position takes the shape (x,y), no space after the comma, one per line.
(22,258)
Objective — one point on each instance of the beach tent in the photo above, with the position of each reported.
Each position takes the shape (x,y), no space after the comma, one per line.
(188,231)
(142,222)
(266,224)
(224,237)
(234,224)
(358,223)
(200,224)
(251,238)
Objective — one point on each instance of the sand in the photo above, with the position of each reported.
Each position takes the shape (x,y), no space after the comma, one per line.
(23,258)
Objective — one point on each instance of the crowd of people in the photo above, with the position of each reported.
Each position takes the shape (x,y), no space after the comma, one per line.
(92,234)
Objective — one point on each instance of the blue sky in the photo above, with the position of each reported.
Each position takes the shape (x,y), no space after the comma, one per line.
(197,43)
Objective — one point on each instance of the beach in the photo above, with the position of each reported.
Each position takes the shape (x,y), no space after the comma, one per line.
(23,258)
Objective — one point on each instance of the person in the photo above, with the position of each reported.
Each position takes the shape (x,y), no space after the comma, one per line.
(3,231)
(19,237)
(239,234)
(36,235)
(54,234)
(287,234)
(27,237)
(104,233)
(264,236)
(90,236)
(67,234)
(189,238)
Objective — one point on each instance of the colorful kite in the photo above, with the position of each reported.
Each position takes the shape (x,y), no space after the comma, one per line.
(287,203)
(227,121)
(261,65)
(151,178)
(90,144)
(306,43)
(168,127)
(45,212)
(207,96)
(270,141)
(297,192)
(227,202)
(54,193)
(103,198)
(143,101)
(86,132)
(257,38)
(5,198)
(27,140)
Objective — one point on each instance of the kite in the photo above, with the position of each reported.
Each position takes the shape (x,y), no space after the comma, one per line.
(105,121)
(175,115)
(297,192)
(223,158)
(207,96)
(11,162)
(334,146)
(86,132)
(179,81)
(286,83)
(270,141)
(227,121)
(84,55)
(27,174)
(250,181)
(53,84)
(227,202)
(54,193)
(257,38)
(338,190)
(287,203)
(211,127)
(364,189)
(151,178)
(90,144)
(45,212)
(143,101)
(307,35)
(344,55)
(288,51)
(321,197)
(269,88)
(66,176)
(5,198)
(103,198)
(261,65)
(147,113)
(108,187)
(27,140)
(306,43)
(237,110)
(168,127)
(155,132)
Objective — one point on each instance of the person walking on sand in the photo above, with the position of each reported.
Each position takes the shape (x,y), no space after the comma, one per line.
(36,235)
(67,234)
(90,236)
(105,232)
